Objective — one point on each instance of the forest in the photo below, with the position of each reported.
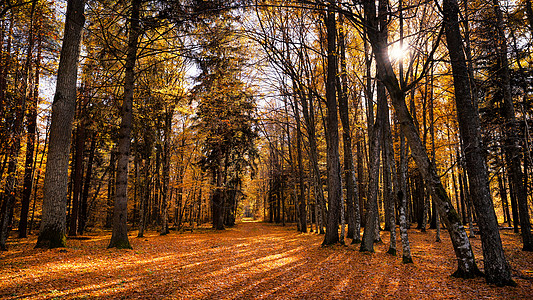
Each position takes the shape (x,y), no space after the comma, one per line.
(359,124)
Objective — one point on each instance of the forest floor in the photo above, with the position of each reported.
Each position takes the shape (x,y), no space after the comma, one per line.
(253,260)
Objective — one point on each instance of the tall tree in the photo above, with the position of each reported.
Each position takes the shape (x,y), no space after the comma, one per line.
(52,231)
(31,121)
(352,205)
(119,237)
(225,114)
(466,263)
(15,143)
(514,157)
(332,135)
(496,267)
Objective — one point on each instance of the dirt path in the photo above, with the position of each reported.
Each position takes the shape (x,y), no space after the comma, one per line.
(250,261)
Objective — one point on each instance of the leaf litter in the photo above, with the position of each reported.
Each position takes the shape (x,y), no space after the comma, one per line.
(252,260)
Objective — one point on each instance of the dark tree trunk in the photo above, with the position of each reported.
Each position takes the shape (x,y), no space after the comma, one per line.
(82,218)
(496,267)
(77,175)
(301,195)
(119,237)
(360,181)
(29,169)
(468,204)
(52,231)
(372,220)
(218,208)
(390,180)
(45,144)
(352,204)
(144,197)
(111,188)
(309,117)
(513,155)
(463,250)
(505,201)
(15,146)
(332,136)
(166,170)
(155,208)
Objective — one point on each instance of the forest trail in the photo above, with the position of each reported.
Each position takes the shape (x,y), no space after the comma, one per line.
(253,260)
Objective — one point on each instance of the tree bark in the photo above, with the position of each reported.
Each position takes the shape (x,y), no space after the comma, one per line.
(31,119)
(166,169)
(402,202)
(309,117)
(496,268)
(390,180)
(463,250)
(145,197)
(15,145)
(77,176)
(82,218)
(52,231)
(119,237)
(370,233)
(349,171)
(513,155)
(332,136)
(301,191)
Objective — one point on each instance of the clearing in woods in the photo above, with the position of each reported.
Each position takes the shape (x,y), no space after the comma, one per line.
(250,261)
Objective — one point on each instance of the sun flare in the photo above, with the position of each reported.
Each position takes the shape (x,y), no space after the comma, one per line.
(397,52)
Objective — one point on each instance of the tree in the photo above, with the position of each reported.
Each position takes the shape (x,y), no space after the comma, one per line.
(15,145)
(466,263)
(52,231)
(119,237)
(225,115)
(513,155)
(32,96)
(496,266)
(332,135)
(352,205)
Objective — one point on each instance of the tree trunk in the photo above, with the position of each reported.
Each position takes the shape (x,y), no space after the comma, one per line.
(155,207)
(119,237)
(45,144)
(301,196)
(370,233)
(402,202)
(309,117)
(218,208)
(505,201)
(166,170)
(77,176)
(15,146)
(11,180)
(390,179)
(146,192)
(360,181)
(332,136)
(496,267)
(513,155)
(82,218)
(52,231)
(31,150)
(111,188)
(349,171)
(463,250)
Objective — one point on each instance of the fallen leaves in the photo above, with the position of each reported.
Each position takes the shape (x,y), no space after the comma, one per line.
(250,261)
